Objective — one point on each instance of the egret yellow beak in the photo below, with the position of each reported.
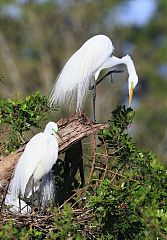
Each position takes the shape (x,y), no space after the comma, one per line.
(131,95)
(57,135)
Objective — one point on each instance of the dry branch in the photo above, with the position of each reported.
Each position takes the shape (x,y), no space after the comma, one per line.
(71,130)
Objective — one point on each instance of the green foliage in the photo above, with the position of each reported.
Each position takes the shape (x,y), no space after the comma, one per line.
(8,232)
(20,115)
(11,231)
(131,202)
(64,225)
(128,202)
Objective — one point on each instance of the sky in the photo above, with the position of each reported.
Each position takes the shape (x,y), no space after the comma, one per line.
(130,12)
(134,12)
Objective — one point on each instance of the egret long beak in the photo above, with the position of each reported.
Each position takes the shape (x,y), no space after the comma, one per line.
(58,136)
(130,96)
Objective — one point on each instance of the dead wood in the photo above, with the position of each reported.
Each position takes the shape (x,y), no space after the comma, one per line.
(71,129)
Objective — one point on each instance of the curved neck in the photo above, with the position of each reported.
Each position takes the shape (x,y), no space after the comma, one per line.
(114,61)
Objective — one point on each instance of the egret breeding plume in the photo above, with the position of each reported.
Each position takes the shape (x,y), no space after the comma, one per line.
(84,66)
(39,156)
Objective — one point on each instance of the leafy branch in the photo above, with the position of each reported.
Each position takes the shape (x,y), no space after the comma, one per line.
(20,115)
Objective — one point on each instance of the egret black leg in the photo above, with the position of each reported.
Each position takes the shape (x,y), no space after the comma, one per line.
(94,101)
(39,204)
(93,88)
(19,205)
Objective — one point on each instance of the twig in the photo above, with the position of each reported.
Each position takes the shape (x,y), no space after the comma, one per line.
(82,189)
(107,159)
(94,160)
(118,174)
(4,196)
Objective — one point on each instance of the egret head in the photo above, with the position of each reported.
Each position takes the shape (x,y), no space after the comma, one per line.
(132,82)
(52,128)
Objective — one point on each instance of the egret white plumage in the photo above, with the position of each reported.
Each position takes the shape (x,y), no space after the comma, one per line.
(39,156)
(47,190)
(85,64)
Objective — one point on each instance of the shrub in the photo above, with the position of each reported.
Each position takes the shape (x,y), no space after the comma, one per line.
(125,199)
(20,115)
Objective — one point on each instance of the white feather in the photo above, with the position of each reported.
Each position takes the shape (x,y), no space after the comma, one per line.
(39,156)
(73,82)
(94,55)
(47,190)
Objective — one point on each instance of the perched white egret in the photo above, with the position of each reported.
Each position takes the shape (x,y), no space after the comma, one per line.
(84,65)
(39,156)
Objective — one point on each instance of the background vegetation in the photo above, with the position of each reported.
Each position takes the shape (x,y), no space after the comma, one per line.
(37,37)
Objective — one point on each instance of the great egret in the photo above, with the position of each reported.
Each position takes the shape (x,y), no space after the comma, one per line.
(85,64)
(39,156)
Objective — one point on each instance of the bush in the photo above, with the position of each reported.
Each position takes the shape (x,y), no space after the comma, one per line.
(20,115)
(125,199)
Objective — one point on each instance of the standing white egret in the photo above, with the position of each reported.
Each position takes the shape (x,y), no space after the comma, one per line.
(85,64)
(39,156)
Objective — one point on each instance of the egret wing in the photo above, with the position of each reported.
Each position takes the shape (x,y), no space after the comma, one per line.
(48,158)
(43,171)
(73,82)
(28,162)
